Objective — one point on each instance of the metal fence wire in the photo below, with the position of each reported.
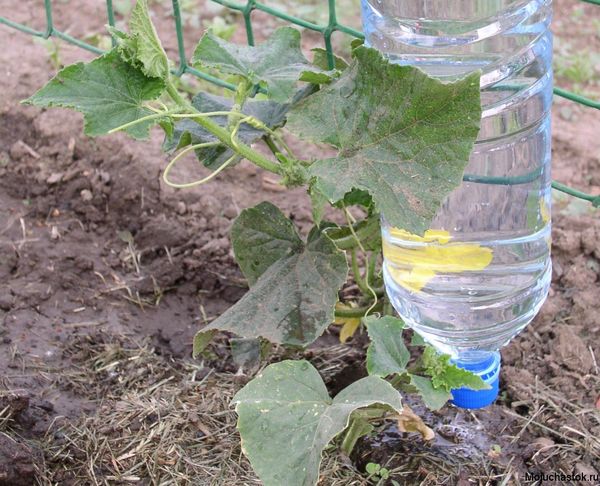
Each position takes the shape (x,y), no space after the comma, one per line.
(245,9)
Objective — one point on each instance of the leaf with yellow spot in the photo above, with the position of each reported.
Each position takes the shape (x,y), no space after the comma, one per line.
(414,266)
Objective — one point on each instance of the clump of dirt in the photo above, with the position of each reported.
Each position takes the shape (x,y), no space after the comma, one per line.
(18,462)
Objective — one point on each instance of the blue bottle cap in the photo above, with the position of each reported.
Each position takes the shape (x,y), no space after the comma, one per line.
(489,370)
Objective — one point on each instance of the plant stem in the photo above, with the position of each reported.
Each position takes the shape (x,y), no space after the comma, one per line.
(271,144)
(139,120)
(398,379)
(177,98)
(358,311)
(388,308)
(224,136)
(359,427)
(357,275)
(372,261)
(239,98)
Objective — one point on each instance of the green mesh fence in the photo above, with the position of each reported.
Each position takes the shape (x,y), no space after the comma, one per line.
(245,9)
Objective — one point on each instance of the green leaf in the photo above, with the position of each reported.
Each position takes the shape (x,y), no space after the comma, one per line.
(387,354)
(108,91)
(277,63)
(356,43)
(417,340)
(187,131)
(246,353)
(294,284)
(317,78)
(320,60)
(434,398)
(261,236)
(356,197)
(142,47)
(287,408)
(447,375)
(201,341)
(359,427)
(367,231)
(318,203)
(402,136)
(126,46)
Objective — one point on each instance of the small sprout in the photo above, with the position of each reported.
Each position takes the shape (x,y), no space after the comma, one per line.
(495,451)
(375,471)
(125,236)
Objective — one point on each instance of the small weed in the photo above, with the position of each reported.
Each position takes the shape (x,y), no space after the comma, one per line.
(377,473)
(52,47)
(577,68)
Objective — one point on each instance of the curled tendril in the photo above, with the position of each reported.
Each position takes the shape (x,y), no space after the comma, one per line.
(186,185)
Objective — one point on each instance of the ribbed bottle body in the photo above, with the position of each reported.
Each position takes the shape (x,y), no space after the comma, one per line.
(482,272)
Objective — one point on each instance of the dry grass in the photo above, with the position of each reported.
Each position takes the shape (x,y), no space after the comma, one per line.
(573,427)
(160,422)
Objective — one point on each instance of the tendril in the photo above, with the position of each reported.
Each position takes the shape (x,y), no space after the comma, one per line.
(367,284)
(185,185)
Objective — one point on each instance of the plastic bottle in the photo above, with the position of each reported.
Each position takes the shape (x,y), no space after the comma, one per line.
(482,273)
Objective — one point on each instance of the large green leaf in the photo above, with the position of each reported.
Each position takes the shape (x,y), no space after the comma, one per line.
(262,235)
(141,46)
(387,354)
(286,418)
(294,284)
(187,131)
(277,63)
(402,136)
(108,91)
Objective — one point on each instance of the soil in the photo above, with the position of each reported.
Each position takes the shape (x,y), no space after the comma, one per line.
(98,260)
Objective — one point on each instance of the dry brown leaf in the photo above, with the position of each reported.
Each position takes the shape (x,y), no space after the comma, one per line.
(408,421)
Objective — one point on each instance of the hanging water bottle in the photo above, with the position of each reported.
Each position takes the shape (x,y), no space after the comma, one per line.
(482,272)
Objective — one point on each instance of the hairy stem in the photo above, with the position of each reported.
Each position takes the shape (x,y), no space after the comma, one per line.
(224,135)
(372,262)
(358,311)
(357,275)
(240,96)
(388,308)
(271,144)
(177,98)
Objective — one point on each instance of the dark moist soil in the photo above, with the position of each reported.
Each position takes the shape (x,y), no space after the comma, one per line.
(93,246)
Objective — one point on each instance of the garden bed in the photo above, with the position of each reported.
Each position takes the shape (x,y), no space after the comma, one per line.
(106,274)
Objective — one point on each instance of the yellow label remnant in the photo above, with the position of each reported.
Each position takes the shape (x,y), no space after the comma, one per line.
(413,267)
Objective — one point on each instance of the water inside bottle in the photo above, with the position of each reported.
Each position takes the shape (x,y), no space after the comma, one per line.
(483,271)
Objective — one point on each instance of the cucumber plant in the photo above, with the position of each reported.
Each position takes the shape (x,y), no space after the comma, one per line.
(402,141)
